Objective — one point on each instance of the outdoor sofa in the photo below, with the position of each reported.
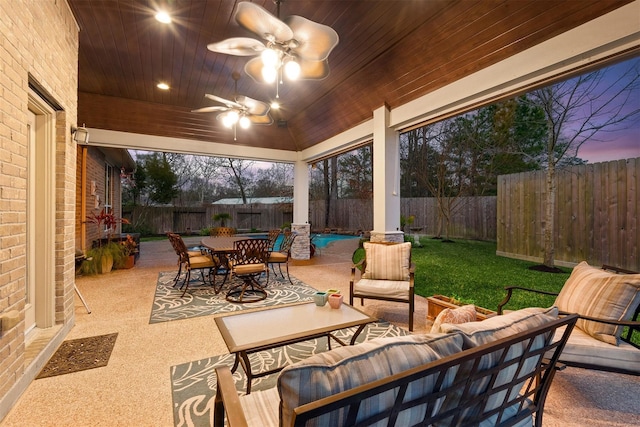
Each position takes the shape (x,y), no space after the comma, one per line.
(607,301)
(486,373)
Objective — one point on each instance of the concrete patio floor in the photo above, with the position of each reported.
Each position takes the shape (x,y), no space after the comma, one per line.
(134,389)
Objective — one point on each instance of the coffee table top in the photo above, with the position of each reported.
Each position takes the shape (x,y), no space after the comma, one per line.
(283,325)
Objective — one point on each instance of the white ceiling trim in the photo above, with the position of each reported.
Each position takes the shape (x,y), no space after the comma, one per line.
(137,141)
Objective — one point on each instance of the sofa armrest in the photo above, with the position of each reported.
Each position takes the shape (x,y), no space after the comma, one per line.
(227,401)
(510,289)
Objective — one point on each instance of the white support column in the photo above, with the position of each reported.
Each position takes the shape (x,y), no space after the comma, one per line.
(300,225)
(386,179)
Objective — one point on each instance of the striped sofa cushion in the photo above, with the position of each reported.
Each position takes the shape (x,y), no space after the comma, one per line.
(594,292)
(387,261)
(344,368)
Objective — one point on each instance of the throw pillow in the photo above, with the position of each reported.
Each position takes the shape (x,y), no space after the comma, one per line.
(594,292)
(387,261)
(466,313)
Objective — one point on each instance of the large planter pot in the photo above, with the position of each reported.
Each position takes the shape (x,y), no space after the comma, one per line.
(129,261)
(106,263)
(437,303)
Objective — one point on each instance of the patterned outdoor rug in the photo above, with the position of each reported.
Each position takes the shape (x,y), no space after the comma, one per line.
(79,355)
(193,384)
(201,300)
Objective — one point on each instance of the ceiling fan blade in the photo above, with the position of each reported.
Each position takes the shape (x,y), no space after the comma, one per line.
(316,40)
(239,46)
(261,120)
(210,109)
(229,104)
(313,70)
(254,69)
(260,22)
(254,107)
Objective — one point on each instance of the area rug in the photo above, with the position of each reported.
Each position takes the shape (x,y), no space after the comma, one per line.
(201,300)
(193,384)
(79,355)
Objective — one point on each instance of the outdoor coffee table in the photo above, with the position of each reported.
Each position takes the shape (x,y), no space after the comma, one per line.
(247,333)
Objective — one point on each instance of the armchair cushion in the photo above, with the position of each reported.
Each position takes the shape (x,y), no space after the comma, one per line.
(383,288)
(387,262)
(464,314)
(347,367)
(594,292)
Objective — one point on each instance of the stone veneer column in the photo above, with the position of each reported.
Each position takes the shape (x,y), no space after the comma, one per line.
(389,236)
(300,248)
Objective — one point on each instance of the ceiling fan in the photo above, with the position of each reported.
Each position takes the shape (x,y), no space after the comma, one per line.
(296,46)
(243,111)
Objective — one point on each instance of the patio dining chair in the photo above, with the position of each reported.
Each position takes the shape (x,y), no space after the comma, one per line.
(282,255)
(273,236)
(192,260)
(387,275)
(223,231)
(248,262)
(173,239)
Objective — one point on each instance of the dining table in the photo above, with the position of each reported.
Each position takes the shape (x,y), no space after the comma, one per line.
(221,247)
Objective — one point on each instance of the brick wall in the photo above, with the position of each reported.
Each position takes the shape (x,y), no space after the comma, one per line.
(39,45)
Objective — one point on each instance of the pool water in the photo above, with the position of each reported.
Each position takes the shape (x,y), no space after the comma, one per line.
(320,240)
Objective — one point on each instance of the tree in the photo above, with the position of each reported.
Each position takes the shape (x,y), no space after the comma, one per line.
(239,176)
(355,173)
(161,180)
(276,181)
(577,110)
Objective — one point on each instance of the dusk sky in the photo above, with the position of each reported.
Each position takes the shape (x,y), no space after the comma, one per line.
(621,144)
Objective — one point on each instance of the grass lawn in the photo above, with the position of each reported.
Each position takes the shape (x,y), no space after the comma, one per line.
(471,271)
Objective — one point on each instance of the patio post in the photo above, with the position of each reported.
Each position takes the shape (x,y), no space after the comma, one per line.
(386,179)
(301,248)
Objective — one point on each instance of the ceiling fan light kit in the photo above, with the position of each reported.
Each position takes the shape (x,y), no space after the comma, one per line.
(243,111)
(296,47)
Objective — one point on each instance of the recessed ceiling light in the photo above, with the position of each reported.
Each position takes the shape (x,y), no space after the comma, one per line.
(163,17)
(163,86)
(275,105)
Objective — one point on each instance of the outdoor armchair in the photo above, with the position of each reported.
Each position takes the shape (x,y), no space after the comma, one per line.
(387,275)
(607,302)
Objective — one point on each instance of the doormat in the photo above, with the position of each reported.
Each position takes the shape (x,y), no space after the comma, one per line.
(79,355)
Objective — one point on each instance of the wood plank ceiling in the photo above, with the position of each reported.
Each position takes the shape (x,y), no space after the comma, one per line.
(390,51)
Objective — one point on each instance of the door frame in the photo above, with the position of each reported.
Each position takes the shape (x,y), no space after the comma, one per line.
(41,187)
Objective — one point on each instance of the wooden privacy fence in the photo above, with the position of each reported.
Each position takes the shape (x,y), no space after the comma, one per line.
(187,220)
(473,217)
(596,216)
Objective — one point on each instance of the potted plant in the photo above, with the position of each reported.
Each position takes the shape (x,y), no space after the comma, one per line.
(102,257)
(222,217)
(129,249)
